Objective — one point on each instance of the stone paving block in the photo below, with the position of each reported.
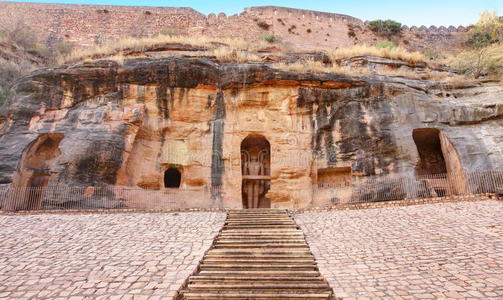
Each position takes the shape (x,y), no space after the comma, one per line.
(107,256)
(445,250)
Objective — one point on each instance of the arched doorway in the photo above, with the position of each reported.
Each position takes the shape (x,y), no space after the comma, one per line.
(256,171)
(34,170)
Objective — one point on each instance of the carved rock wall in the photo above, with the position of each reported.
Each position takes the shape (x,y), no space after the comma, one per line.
(126,124)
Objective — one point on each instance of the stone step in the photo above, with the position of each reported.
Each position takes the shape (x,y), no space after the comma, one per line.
(268,245)
(258,251)
(262,267)
(260,241)
(257,211)
(262,223)
(260,261)
(257,215)
(260,257)
(268,225)
(242,226)
(284,285)
(256,232)
(257,238)
(252,237)
(257,279)
(255,296)
(259,218)
(263,273)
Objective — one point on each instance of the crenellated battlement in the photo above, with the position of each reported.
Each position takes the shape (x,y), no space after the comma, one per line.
(435,29)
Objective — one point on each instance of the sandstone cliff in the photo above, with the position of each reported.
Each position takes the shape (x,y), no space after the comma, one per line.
(104,123)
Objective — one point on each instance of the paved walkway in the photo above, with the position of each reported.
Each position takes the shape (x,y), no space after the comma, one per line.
(102,256)
(450,250)
(438,251)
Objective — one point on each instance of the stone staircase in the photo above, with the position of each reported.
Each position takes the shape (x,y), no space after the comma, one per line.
(259,254)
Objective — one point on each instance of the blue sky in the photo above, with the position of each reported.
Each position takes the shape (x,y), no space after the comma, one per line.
(425,12)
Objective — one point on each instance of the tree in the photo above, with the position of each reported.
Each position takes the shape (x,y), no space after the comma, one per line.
(387,28)
(491,24)
(479,59)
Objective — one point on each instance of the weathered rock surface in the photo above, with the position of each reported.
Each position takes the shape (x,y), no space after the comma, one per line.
(126,124)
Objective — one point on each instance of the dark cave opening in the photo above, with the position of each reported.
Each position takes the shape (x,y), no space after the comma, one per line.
(429,147)
(172,178)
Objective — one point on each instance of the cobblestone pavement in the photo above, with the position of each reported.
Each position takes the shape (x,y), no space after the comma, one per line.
(102,256)
(438,251)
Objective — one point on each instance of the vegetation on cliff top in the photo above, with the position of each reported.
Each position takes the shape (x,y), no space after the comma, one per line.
(386,28)
(216,45)
(484,53)
(397,53)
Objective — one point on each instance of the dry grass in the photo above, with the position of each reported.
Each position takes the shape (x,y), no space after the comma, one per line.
(485,61)
(213,44)
(118,58)
(495,52)
(228,54)
(10,71)
(312,66)
(430,75)
(397,53)
(309,65)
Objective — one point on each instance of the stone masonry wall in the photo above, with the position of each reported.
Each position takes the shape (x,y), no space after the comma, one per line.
(88,25)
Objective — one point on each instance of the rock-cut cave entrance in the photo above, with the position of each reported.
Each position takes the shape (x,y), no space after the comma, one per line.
(255,170)
(172,178)
(438,157)
(35,167)
(429,147)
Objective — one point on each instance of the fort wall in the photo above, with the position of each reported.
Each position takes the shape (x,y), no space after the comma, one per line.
(88,25)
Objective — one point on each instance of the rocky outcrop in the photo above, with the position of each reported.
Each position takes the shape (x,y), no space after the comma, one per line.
(112,124)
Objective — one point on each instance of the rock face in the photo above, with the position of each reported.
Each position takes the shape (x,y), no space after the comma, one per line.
(102,123)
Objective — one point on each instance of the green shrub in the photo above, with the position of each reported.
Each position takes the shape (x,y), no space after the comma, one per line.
(478,39)
(386,44)
(351,30)
(269,38)
(387,28)
(263,24)
(487,31)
